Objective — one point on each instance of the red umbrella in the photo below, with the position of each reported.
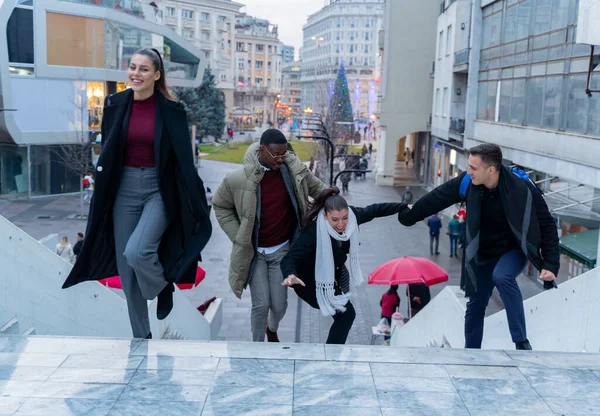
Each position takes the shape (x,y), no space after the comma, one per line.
(115,281)
(407,270)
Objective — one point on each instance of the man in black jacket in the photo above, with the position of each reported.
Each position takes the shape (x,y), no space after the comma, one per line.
(508,223)
(78,244)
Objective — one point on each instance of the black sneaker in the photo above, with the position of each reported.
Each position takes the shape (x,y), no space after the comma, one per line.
(523,345)
(165,301)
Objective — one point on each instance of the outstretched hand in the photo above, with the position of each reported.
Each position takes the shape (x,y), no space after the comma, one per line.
(292,280)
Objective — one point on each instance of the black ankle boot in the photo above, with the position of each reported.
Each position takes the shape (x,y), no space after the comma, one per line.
(523,345)
(165,301)
(149,336)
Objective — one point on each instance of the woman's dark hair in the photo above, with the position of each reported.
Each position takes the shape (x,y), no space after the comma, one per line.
(393,289)
(330,199)
(159,66)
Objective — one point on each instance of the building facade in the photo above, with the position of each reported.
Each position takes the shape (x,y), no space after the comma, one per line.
(63,59)
(403,118)
(258,72)
(290,107)
(344,31)
(447,156)
(287,54)
(210,26)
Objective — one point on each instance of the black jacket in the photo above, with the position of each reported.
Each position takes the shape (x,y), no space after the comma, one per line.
(526,211)
(421,291)
(181,189)
(77,247)
(300,260)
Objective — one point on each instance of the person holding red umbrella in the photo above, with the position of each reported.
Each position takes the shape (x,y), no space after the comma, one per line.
(315,265)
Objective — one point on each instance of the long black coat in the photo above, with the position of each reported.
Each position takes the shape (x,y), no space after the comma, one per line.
(181,189)
(300,260)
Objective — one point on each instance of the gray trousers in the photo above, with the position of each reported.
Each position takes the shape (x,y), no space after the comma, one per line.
(140,219)
(269,298)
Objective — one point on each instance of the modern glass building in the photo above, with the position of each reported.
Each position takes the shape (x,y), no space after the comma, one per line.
(62,58)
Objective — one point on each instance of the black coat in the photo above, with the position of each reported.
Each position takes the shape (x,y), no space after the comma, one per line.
(180,187)
(526,212)
(300,260)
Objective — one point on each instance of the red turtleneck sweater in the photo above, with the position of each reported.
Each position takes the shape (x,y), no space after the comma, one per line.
(139,151)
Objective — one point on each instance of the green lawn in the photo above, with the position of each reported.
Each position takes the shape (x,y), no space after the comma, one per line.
(304,150)
(207,147)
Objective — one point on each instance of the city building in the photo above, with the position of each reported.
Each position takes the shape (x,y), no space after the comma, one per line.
(62,59)
(287,54)
(451,64)
(403,116)
(290,108)
(258,71)
(210,26)
(344,31)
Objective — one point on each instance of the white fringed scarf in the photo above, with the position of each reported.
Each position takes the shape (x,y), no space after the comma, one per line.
(328,302)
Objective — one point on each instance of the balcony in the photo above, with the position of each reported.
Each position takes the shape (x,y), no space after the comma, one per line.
(188,23)
(205,25)
(461,60)
(206,45)
(457,125)
(222,26)
(171,20)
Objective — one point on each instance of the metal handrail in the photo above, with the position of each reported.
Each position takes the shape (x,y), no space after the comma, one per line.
(575,204)
(562,190)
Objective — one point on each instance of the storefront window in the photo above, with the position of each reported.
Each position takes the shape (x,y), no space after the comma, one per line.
(53,170)
(14,178)
(95,103)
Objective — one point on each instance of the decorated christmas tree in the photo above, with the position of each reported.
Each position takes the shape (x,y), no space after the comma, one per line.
(340,108)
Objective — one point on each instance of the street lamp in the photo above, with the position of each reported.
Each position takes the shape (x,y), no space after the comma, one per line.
(308,110)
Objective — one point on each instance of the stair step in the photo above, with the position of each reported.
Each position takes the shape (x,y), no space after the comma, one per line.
(10,328)
(30,331)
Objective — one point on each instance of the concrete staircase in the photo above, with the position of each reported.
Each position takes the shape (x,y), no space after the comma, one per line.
(11,327)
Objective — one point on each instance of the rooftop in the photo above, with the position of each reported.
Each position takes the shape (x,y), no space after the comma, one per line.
(102,376)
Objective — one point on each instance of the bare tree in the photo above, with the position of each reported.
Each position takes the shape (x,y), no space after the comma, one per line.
(77,155)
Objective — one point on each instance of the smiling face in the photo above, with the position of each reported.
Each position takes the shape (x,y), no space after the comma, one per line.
(142,75)
(337,219)
(481,173)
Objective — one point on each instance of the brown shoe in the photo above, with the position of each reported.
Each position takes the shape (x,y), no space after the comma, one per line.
(272,336)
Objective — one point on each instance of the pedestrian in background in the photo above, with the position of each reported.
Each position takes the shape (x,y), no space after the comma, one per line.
(419,295)
(390,301)
(64,250)
(149,220)
(316,264)
(407,196)
(78,244)
(454,233)
(435,224)
(209,197)
(88,185)
(260,207)
(499,241)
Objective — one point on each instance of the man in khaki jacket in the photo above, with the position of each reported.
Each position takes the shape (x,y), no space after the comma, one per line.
(260,207)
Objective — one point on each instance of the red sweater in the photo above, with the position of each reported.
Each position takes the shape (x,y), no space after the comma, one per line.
(139,151)
(277,215)
(389,303)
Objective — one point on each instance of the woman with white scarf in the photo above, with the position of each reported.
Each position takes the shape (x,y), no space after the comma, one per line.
(316,267)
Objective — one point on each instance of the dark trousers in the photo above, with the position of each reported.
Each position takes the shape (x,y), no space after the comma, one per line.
(342,322)
(454,244)
(436,238)
(501,274)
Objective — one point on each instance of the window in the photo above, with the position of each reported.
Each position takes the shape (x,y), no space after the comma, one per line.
(448,40)
(517,103)
(535,101)
(560,14)
(188,34)
(552,98)
(367,35)
(440,44)
(260,48)
(20,36)
(207,54)
(241,63)
(258,82)
(523,19)
(366,48)
(187,14)
(438,102)
(221,18)
(577,105)
(259,64)
(204,17)
(446,103)
(239,47)
(269,65)
(269,48)
(170,11)
(505,97)
(486,103)
(492,26)
(275,50)
(205,36)
(542,16)
(510,25)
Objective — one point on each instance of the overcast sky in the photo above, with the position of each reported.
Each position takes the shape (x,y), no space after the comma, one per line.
(289,15)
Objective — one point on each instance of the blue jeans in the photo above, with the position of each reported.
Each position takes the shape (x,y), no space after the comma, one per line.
(501,274)
(454,244)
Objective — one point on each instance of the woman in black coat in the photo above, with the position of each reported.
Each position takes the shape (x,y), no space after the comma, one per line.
(148,219)
(315,266)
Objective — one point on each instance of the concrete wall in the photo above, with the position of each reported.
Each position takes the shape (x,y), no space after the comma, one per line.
(31,277)
(409,50)
(564,319)
(570,156)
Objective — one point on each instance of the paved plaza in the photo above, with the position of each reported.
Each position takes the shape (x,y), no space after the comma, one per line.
(381,240)
(118,377)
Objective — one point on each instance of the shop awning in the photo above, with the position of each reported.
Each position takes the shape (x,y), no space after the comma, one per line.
(582,247)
